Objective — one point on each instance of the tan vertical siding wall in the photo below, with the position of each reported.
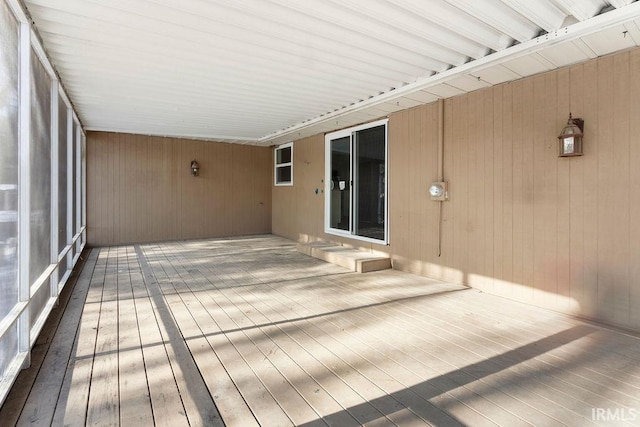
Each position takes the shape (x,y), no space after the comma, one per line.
(561,233)
(139,189)
(298,211)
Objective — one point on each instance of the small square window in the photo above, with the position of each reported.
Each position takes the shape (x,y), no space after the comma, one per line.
(284,164)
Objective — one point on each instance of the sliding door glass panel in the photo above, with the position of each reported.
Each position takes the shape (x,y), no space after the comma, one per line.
(356,177)
(369,183)
(9,89)
(40,169)
(340,188)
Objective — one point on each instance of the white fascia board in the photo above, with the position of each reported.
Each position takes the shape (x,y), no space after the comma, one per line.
(572,32)
(63,95)
(76,120)
(71,107)
(42,56)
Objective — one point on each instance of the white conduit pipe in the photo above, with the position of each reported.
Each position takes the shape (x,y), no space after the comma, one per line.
(440,167)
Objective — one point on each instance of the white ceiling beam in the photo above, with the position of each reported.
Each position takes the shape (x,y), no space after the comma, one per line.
(541,12)
(397,19)
(620,3)
(499,16)
(441,13)
(157,39)
(581,9)
(319,25)
(339,14)
(243,28)
(255,68)
(573,32)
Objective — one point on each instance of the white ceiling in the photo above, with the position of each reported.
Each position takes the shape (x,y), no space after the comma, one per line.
(269,71)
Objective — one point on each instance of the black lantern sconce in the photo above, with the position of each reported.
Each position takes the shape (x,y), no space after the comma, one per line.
(195,168)
(570,139)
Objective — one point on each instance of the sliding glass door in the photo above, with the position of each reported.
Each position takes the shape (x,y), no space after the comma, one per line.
(370,183)
(355,196)
(340,184)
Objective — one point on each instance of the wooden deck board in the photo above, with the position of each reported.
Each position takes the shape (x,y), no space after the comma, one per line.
(463,353)
(589,373)
(135,404)
(497,391)
(71,408)
(196,400)
(103,404)
(242,320)
(164,394)
(248,332)
(371,370)
(260,395)
(221,385)
(386,367)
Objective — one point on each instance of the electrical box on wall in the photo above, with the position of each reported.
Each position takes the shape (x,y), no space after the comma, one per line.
(439,191)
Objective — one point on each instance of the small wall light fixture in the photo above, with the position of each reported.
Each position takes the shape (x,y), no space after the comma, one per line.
(570,139)
(438,191)
(195,168)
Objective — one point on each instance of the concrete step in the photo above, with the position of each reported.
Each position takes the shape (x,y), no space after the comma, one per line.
(353,259)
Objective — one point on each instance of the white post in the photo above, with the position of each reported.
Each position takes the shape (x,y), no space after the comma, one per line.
(70,131)
(24,188)
(78,194)
(55,194)
(84,189)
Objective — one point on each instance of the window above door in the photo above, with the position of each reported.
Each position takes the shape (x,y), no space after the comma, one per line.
(283,163)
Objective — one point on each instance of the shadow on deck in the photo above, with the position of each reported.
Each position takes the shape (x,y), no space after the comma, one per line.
(248,332)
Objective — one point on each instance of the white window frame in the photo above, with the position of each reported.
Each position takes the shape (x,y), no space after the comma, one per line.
(277,165)
(327,181)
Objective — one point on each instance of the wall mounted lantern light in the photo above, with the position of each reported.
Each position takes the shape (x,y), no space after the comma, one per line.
(571,138)
(195,168)
(438,191)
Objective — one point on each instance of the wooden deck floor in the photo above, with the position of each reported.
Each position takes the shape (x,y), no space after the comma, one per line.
(249,332)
